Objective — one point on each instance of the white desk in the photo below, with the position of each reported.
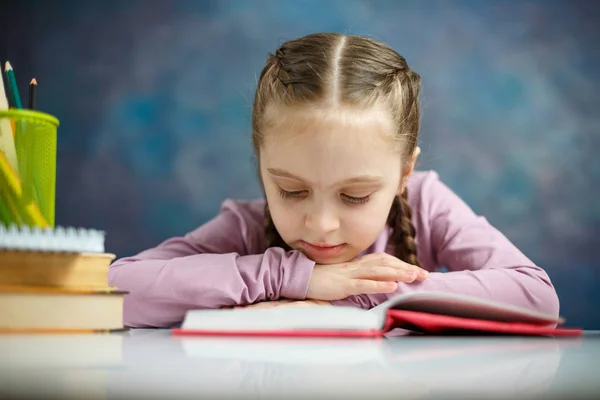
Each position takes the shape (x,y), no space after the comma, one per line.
(151,364)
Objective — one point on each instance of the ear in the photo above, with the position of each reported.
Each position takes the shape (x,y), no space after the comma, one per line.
(409,167)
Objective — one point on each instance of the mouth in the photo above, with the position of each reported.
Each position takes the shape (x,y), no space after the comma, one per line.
(322,250)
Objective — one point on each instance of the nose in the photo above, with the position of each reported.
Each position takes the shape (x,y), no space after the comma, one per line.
(322,219)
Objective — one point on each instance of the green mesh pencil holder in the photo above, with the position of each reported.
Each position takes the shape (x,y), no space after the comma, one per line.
(28,191)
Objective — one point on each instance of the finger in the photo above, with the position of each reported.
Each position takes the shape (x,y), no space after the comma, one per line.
(422,274)
(366,286)
(397,263)
(385,259)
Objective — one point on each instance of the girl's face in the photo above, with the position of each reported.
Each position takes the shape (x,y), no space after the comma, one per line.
(330,181)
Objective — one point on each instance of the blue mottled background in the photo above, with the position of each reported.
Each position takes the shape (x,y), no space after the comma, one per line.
(154,99)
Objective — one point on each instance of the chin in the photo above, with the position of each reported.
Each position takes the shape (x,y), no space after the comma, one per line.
(342,258)
(346,255)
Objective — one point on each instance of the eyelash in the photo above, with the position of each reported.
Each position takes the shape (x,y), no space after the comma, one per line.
(347,199)
(355,200)
(291,195)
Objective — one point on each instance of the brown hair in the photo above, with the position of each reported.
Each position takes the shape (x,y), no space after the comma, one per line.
(331,68)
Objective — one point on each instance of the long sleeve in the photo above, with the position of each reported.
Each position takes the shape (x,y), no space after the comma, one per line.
(481,261)
(218,264)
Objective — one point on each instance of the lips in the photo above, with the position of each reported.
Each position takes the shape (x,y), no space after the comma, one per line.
(322,250)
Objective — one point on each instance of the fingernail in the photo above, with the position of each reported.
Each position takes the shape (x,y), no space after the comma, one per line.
(423,273)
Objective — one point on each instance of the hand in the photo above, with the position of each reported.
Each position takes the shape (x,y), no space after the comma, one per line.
(286,303)
(369,274)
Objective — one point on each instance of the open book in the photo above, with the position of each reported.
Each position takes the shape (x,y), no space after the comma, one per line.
(423,312)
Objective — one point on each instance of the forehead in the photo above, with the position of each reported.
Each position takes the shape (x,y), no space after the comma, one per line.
(287,126)
(330,144)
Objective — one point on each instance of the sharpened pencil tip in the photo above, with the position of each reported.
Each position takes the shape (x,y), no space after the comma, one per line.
(33,82)
(7,66)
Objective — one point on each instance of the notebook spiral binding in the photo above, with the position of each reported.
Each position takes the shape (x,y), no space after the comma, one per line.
(60,239)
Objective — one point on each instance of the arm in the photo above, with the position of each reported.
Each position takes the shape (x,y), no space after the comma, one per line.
(213,266)
(481,260)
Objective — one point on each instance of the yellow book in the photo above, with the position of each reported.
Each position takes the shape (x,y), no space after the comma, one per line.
(36,309)
(54,269)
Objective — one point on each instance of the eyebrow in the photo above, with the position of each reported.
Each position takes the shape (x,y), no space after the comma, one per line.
(357,179)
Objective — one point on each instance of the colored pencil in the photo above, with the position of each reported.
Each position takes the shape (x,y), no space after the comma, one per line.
(3,96)
(12,85)
(33,94)
(7,144)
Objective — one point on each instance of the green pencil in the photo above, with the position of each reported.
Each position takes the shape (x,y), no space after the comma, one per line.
(12,84)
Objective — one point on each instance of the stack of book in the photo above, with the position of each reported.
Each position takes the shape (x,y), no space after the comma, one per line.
(56,280)
(51,278)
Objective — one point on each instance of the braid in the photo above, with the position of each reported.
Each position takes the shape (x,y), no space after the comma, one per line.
(272,236)
(403,233)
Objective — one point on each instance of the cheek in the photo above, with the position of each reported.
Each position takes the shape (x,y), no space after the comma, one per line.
(285,218)
(367,222)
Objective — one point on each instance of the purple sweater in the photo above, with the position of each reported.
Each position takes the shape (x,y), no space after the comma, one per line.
(224,262)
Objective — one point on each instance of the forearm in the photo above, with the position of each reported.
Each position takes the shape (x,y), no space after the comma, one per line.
(161,291)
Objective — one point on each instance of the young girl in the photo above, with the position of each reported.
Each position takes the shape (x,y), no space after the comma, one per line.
(345,221)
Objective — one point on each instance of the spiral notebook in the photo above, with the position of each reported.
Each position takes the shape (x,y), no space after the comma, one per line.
(59,239)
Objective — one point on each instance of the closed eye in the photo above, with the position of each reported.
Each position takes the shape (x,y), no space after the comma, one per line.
(355,200)
(292,194)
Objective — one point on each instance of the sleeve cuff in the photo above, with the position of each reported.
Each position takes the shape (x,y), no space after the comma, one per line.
(300,268)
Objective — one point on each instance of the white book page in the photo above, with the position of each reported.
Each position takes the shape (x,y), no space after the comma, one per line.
(463,306)
(283,318)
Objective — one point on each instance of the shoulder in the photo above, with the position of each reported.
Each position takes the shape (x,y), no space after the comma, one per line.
(238,227)
(428,194)
(249,216)
(432,198)
(424,187)
(435,211)
(420,178)
(436,207)
(250,210)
